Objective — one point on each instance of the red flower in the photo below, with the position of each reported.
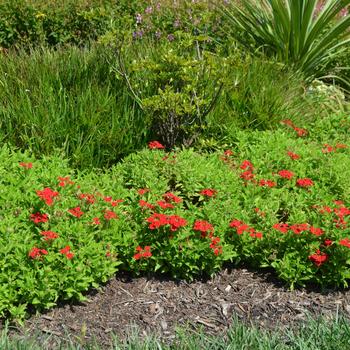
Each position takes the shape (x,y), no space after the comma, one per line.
(282,227)
(340,145)
(47,195)
(299,228)
(267,183)
(217,250)
(316,231)
(116,202)
(143,252)
(37,253)
(155,145)
(300,132)
(38,217)
(49,235)
(26,165)
(63,181)
(69,255)
(204,227)
(328,242)
(170,197)
(286,174)
(107,199)
(327,148)
(241,227)
(258,235)
(109,214)
(287,122)
(246,164)
(228,153)
(165,205)
(345,242)
(142,191)
(157,220)
(76,212)
(209,192)
(144,204)
(96,221)
(89,198)
(318,258)
(247,175)
(176,222)
(305,182)
(65,250)
(293,156)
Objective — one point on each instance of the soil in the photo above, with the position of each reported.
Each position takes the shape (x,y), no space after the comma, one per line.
(158,305)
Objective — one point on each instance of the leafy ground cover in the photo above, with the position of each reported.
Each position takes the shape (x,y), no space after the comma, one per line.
(275,199)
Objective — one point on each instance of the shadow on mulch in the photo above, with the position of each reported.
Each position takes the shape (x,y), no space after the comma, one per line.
(158,305)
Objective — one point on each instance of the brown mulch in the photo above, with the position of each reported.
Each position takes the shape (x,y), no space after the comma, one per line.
(157,306)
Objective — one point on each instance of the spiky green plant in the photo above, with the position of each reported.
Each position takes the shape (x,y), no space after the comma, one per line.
(306,34)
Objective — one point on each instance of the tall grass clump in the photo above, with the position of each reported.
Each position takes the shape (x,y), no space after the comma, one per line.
(68,99)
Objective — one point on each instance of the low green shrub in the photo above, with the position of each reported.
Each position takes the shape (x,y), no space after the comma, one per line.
(278,199)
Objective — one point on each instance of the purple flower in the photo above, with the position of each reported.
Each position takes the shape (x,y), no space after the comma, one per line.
(171,37)
(138,18)
(149,10)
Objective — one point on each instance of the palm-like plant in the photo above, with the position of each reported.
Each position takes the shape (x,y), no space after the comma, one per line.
(301,33)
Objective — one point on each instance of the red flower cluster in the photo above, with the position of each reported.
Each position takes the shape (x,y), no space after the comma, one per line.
(318,258)
(340,212)
(155,145)
(96,221)
(328,148)
(217,249)
(114,203)
(37,253)
(63,181)
(143,253)
(298,228)
(242,227)
(89,198)
(300,132)
(26,165)
(267,183)
(204,227)
(171,197)
(109,214)
(47,195)
(76,212)
(144,204)
(293,156)
(38,217)
(49,235)
(165,205)
(286,174)
(66,251)
(158,220)
(226,156)
(208,192)
(247,175)
(345,242)
(142,191)
(305,182)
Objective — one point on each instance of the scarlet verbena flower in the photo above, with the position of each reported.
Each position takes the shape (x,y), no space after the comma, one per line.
(316,231)
(300,132)
(37,253)
(293,156)
(158,220)
(247,175)
(241,227)
(76,212)
(49,235)
(319,258)
(204,227)
(208,192)
(171,197)
(113,203)
(96,221)
(286,174)
(282,227)
(299,228)
(345,242)
(165,205)
(144,204)
(247,165)
(109,214)
(63,181)
(26,165)
(47,195)
(327,148)
(267,183)
(287,122)
(142,191)
(155,145)
(327,242)
(341,145)
(217,249)
(67,252)
(143,252)
(305,182)
(258,235)
(228,153)
(38,217)
(89,198)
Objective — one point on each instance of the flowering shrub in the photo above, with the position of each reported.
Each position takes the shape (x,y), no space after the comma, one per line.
(275,200)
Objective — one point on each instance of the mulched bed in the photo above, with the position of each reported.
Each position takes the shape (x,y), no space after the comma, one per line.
(158,306)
